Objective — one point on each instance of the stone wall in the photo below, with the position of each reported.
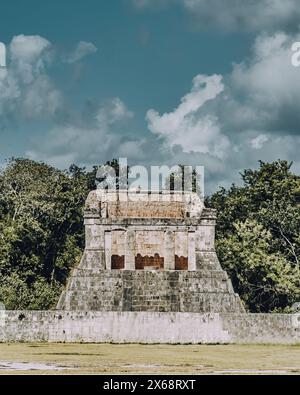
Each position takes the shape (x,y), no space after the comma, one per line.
(149,327)
(146,210)
(144,204)
(262,328)
(148,249)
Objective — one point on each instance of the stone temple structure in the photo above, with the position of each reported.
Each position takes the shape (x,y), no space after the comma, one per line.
(149,274)
(149,252)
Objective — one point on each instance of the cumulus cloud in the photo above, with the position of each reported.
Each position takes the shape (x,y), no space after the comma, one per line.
(83,143)
(233,15)
(41,98)
(224,123)
(26,90)
(256,115)
(185,127)
(114,111)
(83,49)
(269,86)
(28,55)
(228,124)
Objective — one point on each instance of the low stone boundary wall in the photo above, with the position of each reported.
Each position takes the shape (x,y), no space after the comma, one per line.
(148,327)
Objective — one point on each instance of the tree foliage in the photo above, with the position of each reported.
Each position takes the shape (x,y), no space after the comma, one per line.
(41,231)
(258,236)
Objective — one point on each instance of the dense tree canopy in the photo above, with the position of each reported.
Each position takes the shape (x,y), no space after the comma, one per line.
(258,236)
(42,234)
(41,231)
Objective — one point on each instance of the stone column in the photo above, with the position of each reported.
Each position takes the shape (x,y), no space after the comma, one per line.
(191,251)
(206,257)
(93,234)
(169,248)
(206,231)
(107,243)
(206,237)
(94,243)
(129,250)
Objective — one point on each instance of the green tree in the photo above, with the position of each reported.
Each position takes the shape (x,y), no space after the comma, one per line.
(265,280)
(41,230)
(269,199)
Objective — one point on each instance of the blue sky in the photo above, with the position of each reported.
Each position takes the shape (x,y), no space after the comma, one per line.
(160,82)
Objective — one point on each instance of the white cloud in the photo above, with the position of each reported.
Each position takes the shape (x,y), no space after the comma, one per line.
(254,15)
(26,90)
(230,124)
(81,144)
(28,55)
(114,111)
(271,56)
(226,124)
(83,49)
(41,98)
(268,84)
(259,141)
(256,116)
(186,127)
(239,15)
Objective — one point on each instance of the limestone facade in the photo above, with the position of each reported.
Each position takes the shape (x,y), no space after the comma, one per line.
(149,252)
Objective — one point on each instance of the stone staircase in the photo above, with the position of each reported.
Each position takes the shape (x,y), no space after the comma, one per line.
(207,289)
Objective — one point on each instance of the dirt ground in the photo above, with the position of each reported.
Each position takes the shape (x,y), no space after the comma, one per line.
(48,358)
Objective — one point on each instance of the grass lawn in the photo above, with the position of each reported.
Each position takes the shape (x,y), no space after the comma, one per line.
(40,358)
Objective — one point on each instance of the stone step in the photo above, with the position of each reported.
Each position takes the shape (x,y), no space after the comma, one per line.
(201,273)
(127,301)
(203,284)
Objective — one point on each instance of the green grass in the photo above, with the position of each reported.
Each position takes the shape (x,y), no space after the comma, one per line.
(154,359)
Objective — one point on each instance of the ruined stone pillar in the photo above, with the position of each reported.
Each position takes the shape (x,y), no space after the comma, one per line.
(206,231)
(206,257)
(107,242)
(93,234)
(191,251)
(94,243)
(169,248)
(129,250)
